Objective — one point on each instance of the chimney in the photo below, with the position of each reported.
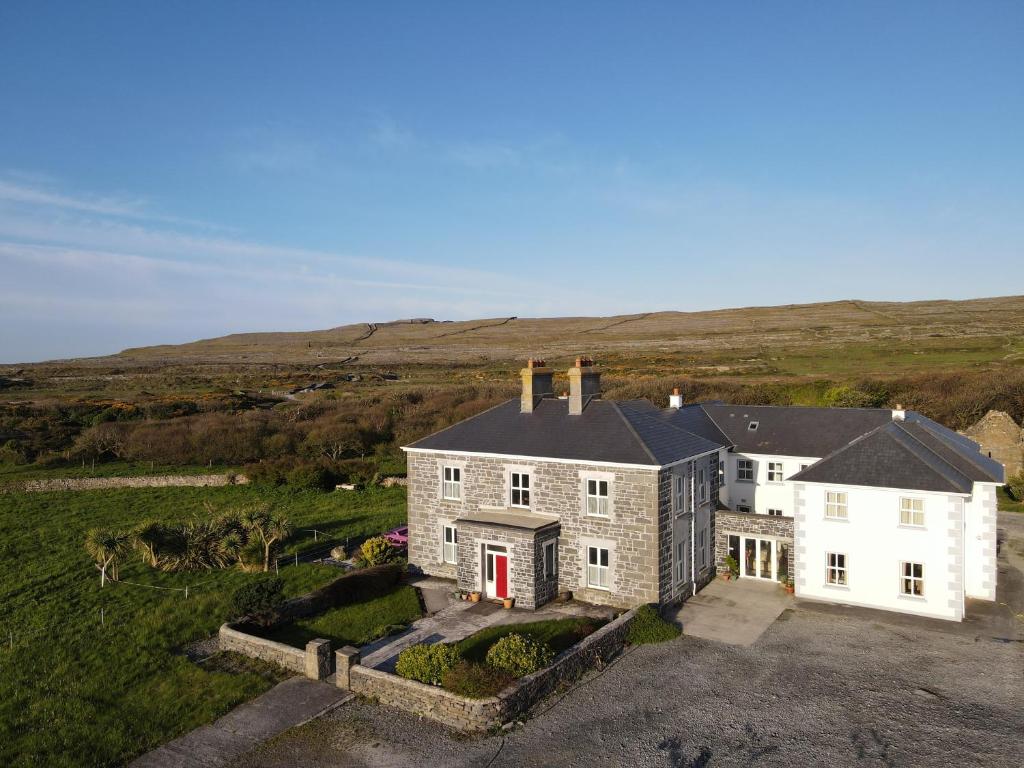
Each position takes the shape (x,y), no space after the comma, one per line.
(584,385)
(538,382)
(898,414)
(675,400)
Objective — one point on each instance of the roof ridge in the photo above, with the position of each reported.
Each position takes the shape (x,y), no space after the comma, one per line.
(669,424)
(926,447)
(632,431)
(965,456)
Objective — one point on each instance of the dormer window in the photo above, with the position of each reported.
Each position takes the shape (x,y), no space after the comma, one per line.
(752,426)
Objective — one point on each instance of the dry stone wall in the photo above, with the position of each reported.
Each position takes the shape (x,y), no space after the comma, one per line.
(286,656)
(153,481)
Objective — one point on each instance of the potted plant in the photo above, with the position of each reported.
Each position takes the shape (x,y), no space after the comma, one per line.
(508,602)
(474,597)
(790,586)
(733,567)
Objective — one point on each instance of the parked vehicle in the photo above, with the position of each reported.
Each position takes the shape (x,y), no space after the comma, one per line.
(398,537)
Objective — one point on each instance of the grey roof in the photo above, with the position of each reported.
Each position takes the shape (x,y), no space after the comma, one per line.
(606,431)
(693,418)
(793,430)
(897,454)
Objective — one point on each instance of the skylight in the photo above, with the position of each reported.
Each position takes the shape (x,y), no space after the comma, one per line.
(752,426)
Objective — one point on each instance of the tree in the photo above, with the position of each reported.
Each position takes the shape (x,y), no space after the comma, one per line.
(107,547)
(334,437)
(268,527)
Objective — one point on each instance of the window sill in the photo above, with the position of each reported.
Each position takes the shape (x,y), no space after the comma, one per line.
(599,589)
(908,527)
(912,598)
(597,517)
(836,519)
(837,587)
(448,498)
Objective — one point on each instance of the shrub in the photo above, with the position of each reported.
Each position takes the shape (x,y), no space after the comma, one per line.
(1015,486)
(312,477)
(377,551)
(427,663)
(357,586)
(732,565)
(259,595)
(519,655)
(476,681)
(648,627)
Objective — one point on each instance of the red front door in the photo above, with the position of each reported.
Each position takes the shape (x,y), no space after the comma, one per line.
(501,576)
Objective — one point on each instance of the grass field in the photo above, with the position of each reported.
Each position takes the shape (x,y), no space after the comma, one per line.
(354,624)
(1007,503)
(75,691)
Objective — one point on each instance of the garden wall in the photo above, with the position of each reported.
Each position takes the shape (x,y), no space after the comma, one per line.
(153,481)
(482,714)
(232,639)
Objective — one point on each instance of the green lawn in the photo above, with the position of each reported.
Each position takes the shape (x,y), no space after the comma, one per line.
(557,633)
(1007,503)
(75,692)
(355,624)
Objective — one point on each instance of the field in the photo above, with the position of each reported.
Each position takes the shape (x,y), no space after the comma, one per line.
(80,687)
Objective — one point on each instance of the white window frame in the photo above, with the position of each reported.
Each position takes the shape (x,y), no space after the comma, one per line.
(837,569)
(773,512)
(745,467)
(743,508)
(451,488)
(776,472)
(909,580)
(596,571)
(680,561)
(678,493)
(702,484)
(912,511)
(552,547)
(597,505)
(452,546)
(703,547)
(520,488)
(837,505)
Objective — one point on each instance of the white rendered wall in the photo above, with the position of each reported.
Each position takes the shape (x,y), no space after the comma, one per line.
(980,542)
(762,495)
(875,545)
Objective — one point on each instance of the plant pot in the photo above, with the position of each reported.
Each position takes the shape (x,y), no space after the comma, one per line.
(474,597)
(790,588)
(508,602)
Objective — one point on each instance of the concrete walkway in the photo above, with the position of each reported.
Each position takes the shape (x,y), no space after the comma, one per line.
(286,705)
(733,612)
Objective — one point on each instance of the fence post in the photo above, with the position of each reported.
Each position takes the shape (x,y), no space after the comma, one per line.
(102,618)
(277,563)
(296,558)
(186,591)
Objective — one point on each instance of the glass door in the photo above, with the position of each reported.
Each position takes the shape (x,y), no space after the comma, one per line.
(765,560)
(759,560)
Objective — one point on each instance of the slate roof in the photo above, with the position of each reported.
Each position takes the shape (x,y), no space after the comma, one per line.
(899,455)
(606,431)
(793,430)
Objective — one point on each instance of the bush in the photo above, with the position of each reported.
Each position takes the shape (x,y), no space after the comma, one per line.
(427,663)
(311,477)
(519,655)
(259,595)
(357,586)
(1015,486)
(648,627)
(732,565)
(476,681)
(377,551)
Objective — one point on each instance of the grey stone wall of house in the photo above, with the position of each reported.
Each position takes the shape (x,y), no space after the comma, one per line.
(515,701)
(669,591)
(729,522)
(522,554)
(631,531)
(1001,438)
(545,587)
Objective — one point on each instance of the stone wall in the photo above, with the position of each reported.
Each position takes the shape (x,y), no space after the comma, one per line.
(151,481)
(512,703)
(231,639)
(1000,437)
(669,590)
(630,531)
(728,522)
(522,559)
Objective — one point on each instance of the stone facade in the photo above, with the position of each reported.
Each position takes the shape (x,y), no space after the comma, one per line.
(751,524)
(630,532)
(514,702)
(1000,437)
(527,583)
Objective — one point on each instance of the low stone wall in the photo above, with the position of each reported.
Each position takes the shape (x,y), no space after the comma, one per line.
(286,656)
(150,481)
(515,701)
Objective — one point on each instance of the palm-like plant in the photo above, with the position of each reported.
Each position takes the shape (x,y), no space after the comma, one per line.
(150,539)
(268,527)
(108,547)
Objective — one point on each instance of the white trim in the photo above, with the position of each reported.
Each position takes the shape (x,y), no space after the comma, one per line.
(586,462)
(445,525)
(886,488)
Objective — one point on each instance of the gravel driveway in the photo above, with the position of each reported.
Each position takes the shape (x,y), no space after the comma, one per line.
(821,686)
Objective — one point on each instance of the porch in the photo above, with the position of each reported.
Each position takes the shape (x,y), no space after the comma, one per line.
(761,545)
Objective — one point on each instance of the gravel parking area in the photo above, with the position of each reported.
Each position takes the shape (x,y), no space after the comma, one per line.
(821,686)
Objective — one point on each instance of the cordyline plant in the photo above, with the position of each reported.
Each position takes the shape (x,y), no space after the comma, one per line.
(108,548)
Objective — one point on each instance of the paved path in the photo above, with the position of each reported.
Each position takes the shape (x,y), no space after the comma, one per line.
(734,612)
(286,705)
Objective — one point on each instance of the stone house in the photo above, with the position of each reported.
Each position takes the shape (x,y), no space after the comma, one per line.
(1001,439)
(623,503)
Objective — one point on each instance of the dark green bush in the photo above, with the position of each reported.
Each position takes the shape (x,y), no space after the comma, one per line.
(1015,486)
(312,477)
(260,595)
(475,681)
(427,663)
(519,655)
(648,627)
(357,586)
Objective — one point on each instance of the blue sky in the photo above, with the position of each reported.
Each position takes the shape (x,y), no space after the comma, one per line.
(180,170)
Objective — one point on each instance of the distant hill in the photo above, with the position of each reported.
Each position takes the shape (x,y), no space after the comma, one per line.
(711,334)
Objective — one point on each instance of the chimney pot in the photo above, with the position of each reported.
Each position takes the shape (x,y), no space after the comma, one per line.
(584,385)
(538,383)
(675,400)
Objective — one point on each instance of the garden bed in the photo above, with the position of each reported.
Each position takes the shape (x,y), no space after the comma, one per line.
(558,634)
